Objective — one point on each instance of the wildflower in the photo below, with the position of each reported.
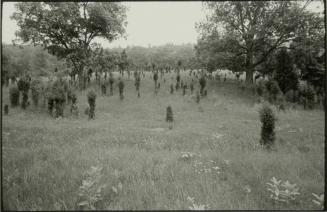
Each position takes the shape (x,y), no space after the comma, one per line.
(247,189)
(319,200)
(120,186)
(115,189)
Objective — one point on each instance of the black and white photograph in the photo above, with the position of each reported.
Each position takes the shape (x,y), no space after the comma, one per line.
(163,105)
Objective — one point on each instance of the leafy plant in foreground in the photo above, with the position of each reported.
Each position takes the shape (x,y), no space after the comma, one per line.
(90,190)
(91,97)
(267,118)
(14,96)
(282,191)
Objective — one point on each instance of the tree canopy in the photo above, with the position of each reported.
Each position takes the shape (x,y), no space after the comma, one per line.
(66,29)
(245,34)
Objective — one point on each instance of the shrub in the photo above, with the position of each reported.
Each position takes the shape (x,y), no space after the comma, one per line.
(73,98)
(111,83)
(197,98)
(137,82)
(58,98)
(292,96)
(281,102)
(184,89)
(205,93)
(36,88)
(171,88)
(178,78)
(91,97)
(121,89)
(70,95)
(24,86)
(14,96)
(169,114)
(202,82)
(285,74)
(307,96)
(48,95)
(177,86)
(267,118)
(74,107)
(310,96)
(273,90)
(6,109)
(103,88)
(155,78)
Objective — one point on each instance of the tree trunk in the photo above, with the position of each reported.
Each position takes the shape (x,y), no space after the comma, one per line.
(249,68)
(81,79)
(249,76)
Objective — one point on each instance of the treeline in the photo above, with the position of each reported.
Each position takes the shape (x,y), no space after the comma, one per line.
(34,61)
(168,55)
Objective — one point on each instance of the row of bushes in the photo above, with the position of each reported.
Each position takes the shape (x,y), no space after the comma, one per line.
(57,94)
(304,95)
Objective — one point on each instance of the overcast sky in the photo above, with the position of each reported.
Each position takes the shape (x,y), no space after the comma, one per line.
(154,23)
(149,23)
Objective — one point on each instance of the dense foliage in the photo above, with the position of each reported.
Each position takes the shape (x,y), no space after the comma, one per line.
(267,118)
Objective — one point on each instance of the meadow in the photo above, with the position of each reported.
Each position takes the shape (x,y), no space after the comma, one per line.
(127,158)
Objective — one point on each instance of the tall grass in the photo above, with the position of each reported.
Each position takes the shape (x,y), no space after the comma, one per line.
(45,160)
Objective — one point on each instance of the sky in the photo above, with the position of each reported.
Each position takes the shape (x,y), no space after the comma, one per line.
(149,23)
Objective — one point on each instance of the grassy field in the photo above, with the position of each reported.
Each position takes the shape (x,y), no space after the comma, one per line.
(138,162)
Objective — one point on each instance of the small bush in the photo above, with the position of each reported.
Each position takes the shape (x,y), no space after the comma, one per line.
(310,96)
(281,102)
(178,78)
(307,96)
(155,78)
(267,118)
(24,86)
(171,88)
(169,114)
(111,83)
(74,107)
(205,93)
(103,88)
(6,109)
(14,96)
(137,82)
(184,90)
(197,98)
(260,88)
(177,86)
(273,90)
(292,96)
(58,95)
(121,89)
(36,88)
(202,82)
(55,93)
(91,97)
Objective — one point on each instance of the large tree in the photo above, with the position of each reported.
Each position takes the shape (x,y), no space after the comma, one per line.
(66,29)
(252,30)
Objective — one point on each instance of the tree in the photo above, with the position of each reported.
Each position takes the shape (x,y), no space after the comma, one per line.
(285,73)
(253,30)
(66,29)
(308,52)
(123,62)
